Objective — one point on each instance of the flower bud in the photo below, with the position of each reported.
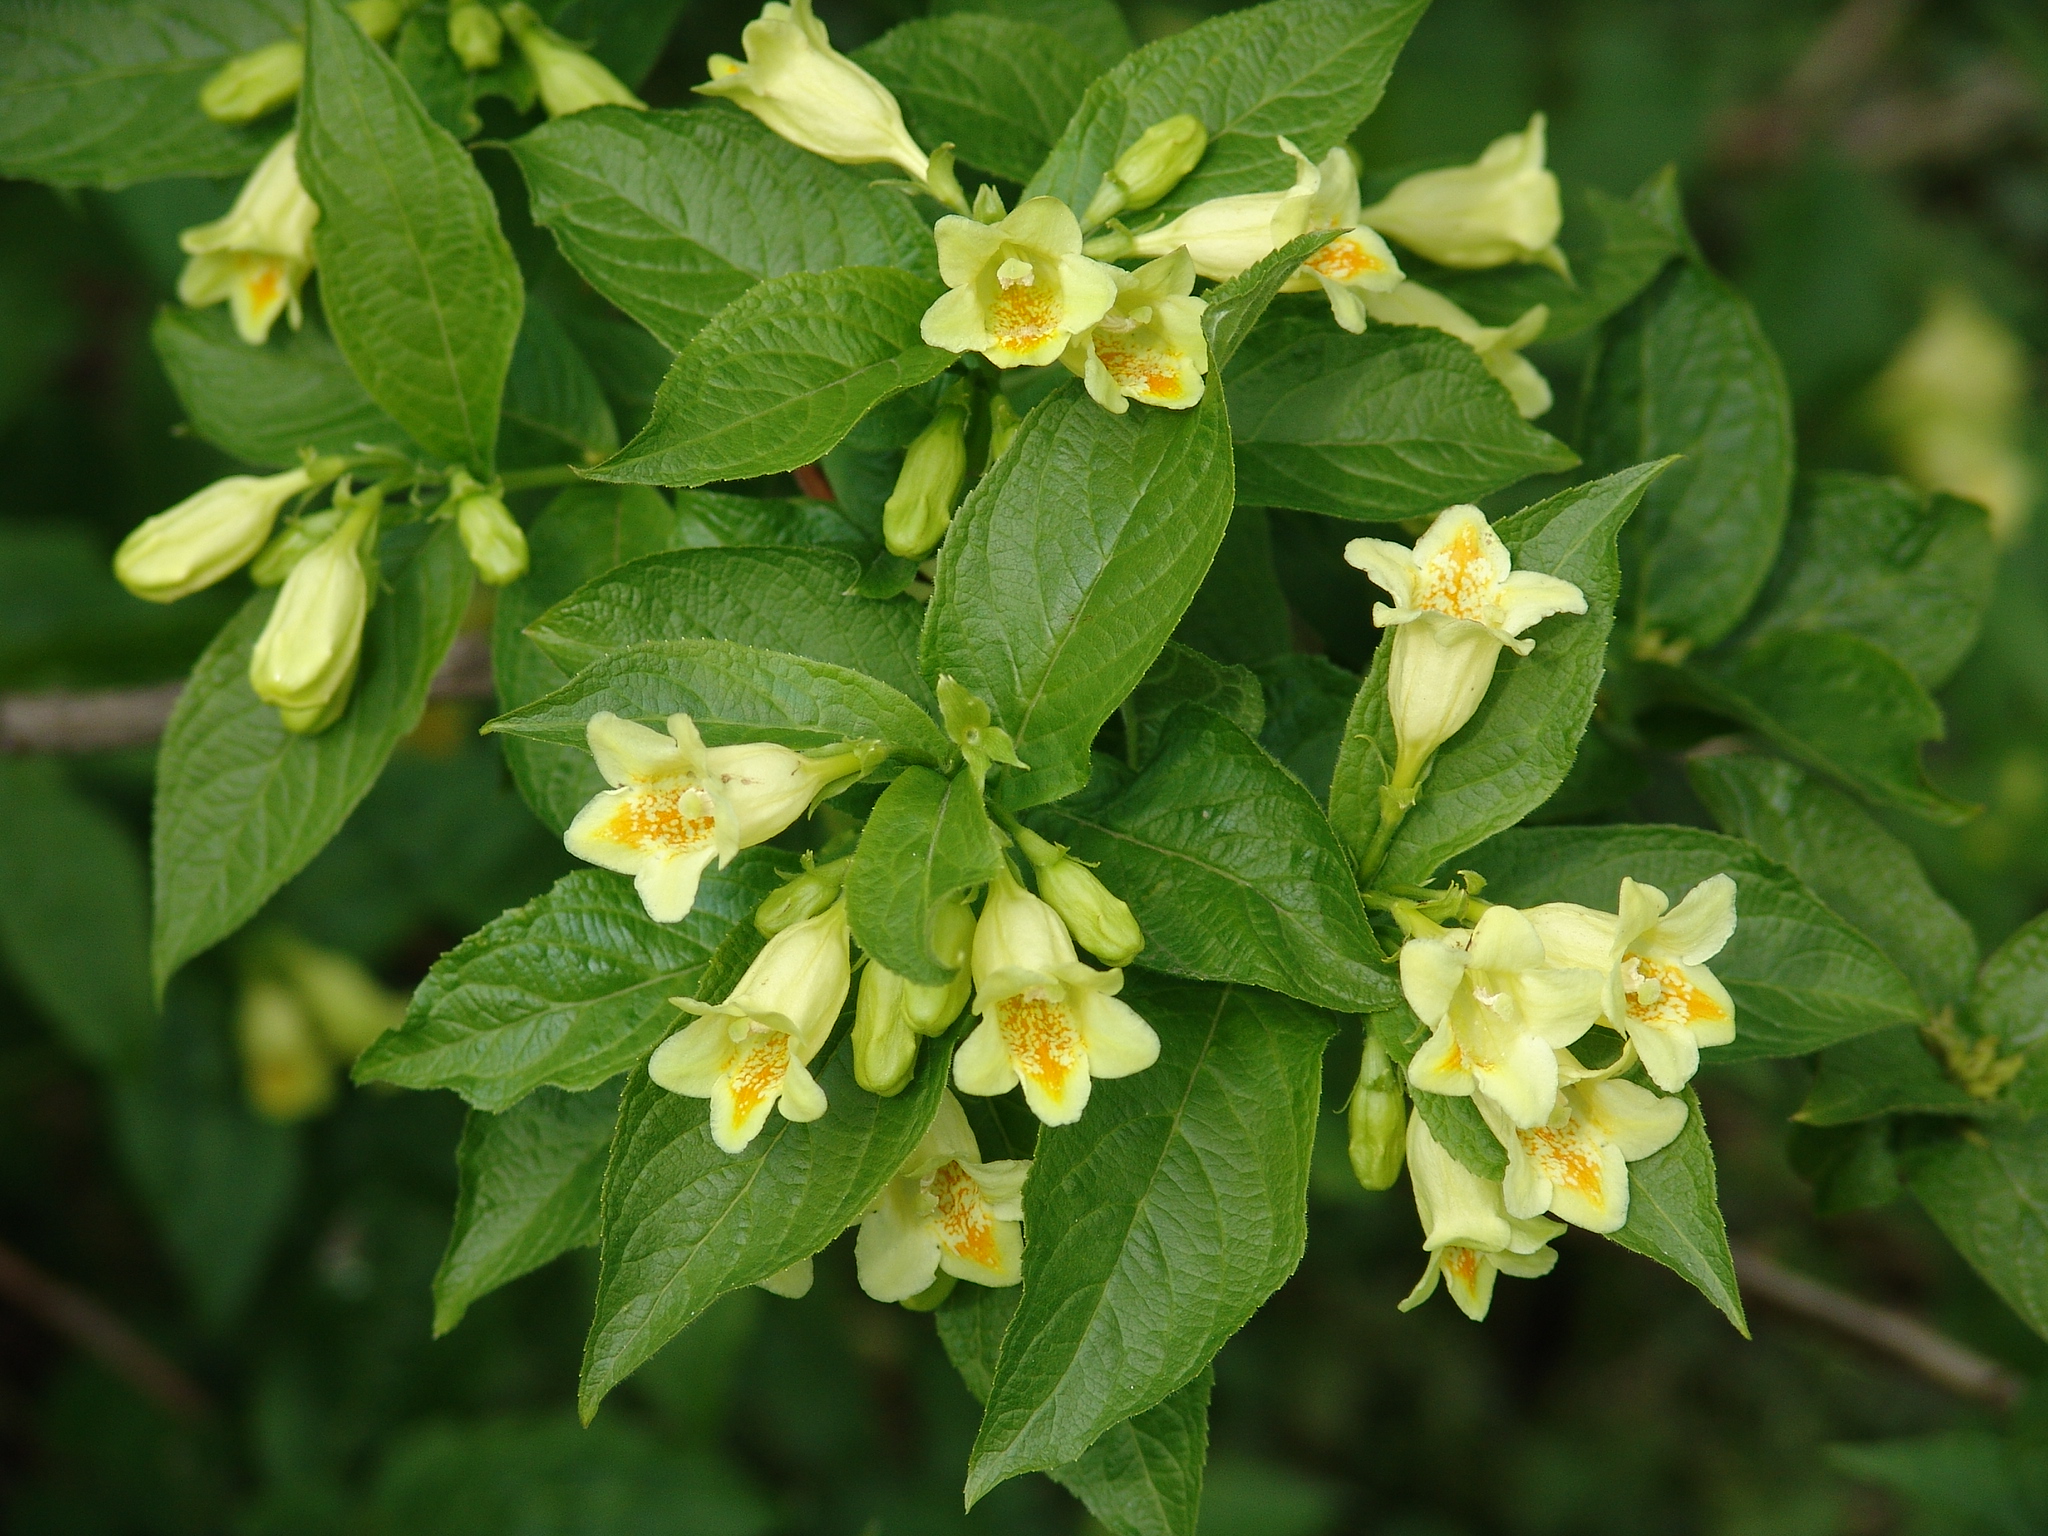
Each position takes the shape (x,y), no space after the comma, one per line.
(378,18)
(1378,1119)
(344,1000)
(496,544)
(988,205)
(285,1073)
(254,84)
(804,897)
(210,534)
(1101,923)
(305,659)
(291,544)
(1501,208)
(476,35)
(1003,422)
(918,511)
(884,1045)
(570,80)
(1150,168)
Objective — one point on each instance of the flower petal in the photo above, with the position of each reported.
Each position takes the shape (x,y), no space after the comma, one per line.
(690,1060)
(1699,926)
(982,1064)
(1117,1040)
(1637,1121)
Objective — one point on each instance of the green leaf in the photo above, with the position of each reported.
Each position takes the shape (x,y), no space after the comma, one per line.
(927,840)
(781,375)
(795,600)
(1801,978)
(529,1182)
(1674,1216)
(554,406)
(722,520)
(735,693)
(1234,307)
(74,913)
(242,804)
(1687,370)
(1309,69)
(1308,699)
(1520,743)
(998,90)
(673,215)
(105,93)
(685,1222)
(1961,1482)
(1067,568)
(1396,423)
(2011,996)
(1837,703)
(567,991)
(1181,676)
(1096,27)
(418,283)
(1910,573)
(1887,1073)
(1454,1122)
(1143,1477)
(1159,1222)
(1849,861)
(263,404)
(582,533)
(1239,615)
(1987,1189)
(1230,869)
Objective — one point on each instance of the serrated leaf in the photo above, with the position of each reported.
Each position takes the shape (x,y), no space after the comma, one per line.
(416,279)
(105,93)
(735,693)
(723,520)
(795,600)
(242,804)
(1674,1216)
(555,411)
(781,375)
(1396,423)
(1096,27)
(998,89)
(528,1188)
(1144,1476)
(567,991)
(1169,1213)
(1309,69)
(1183,676)
(263,404)
(1067,568)
(927,840)
(673,215)
(1520,743)
(1987,1189)
(1849,861)
(684,1222)
(1234,307)
(1801,978)
(1230,869)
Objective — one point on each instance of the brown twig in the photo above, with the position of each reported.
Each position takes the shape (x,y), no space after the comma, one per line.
(102,720)
(1942,1360)
(102,1335)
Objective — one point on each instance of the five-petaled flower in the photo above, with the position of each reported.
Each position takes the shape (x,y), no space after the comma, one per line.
(675,805)
(258,255)
(1503,207)
(1019,289)
(946,1211)
(750,1053)
(1575,1164)
(1047,1021)
(1149,347)
(1466,1230)
(1659,992)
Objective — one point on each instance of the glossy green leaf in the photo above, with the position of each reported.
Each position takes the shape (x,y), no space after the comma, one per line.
(1096,27)
(242,804)
(1801,977)
(722,520)
(1182,676)
(781,375)
(567,991)
(1239,615)
(673,215)
(1159,1222)
(555,411)
(927,841)
(1230,869)
(1987,1189)
(1674,1216)
(417,281)
(1067,568)
(1308,700)
(1519,745)
(529,1182)
(1891,1072)
(1234,307)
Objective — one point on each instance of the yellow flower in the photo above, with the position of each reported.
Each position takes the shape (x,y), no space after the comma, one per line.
(1019,289)
(797,83)
(259,254)
(211,534)
(1499,346)
(1466,1230)
(1501,208)
(675,805)
(945,1212)
(569,79)
(1047,1021)
(750,1053)
(1457,603)
(305,660)
(1149,347)
(1575,1164)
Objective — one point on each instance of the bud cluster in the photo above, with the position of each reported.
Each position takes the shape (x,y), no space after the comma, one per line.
(302,1012)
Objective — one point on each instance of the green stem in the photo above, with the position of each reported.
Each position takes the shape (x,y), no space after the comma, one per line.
(534,479)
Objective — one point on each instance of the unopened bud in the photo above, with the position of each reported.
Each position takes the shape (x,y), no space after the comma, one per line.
(1149,169)
(933,1296)
(344,1000)
(1003,422)
(210,534)
(378,18)
(884,1045)
(918,511)
(285,1073)
(1101,923)
(291,544)
(305,659)
(569,79)
(988,205)
(476,35)
(806,896)
(496,544)
(256,83)
(1378,1119)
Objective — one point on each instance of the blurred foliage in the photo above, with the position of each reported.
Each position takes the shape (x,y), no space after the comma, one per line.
(1838,160)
